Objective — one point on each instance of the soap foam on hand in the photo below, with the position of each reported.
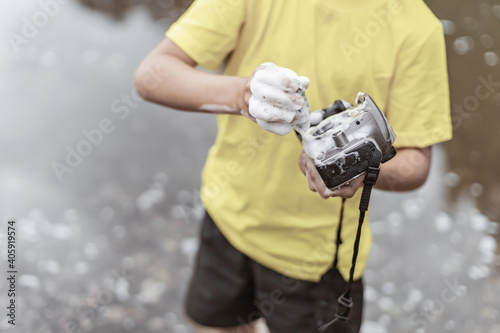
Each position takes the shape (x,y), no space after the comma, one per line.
(317,146)
(278,101)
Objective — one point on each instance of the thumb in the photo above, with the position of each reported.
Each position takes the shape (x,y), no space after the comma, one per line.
(304,80)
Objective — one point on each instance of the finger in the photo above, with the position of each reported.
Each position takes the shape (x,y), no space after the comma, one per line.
(310,183)
(266,65)
(325,192)
(278,79)
(344,192)
(276,97)
(348,190)
(302,162)
(275,127)
(287,71)
(317,117)
(322,190)
(303,118)
(316,180)
(309,171)
(264,111)
(304,80)
(247,114)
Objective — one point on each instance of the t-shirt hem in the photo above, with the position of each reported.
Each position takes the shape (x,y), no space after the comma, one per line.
(291,270)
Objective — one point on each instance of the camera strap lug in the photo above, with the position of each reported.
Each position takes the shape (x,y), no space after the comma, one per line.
(369,181)
(371,176)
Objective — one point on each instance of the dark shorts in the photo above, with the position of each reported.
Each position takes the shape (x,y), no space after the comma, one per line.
(229,289)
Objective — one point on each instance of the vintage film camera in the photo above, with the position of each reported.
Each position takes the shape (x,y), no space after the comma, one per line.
(344,141)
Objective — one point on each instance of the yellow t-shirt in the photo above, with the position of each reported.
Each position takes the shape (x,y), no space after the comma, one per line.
(251,184)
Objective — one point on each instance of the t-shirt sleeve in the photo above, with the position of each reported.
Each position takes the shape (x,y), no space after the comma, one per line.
(418,105)
(208,31)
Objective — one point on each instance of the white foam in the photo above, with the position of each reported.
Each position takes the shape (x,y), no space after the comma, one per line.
(219,108)
(316,146)
(278,100)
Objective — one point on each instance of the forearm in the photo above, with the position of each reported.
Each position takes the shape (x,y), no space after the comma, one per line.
(407,171)
(168,77)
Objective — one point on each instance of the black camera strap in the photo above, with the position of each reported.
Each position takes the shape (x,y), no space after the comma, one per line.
(345,301)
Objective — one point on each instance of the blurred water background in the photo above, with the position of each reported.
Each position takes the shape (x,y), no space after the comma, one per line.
(107,244)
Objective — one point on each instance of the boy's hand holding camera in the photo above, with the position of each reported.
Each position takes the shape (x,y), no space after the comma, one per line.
(316,183)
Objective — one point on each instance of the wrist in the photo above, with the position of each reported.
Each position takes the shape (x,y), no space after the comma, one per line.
(239,96)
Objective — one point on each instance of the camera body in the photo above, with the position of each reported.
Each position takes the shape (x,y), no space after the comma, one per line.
(344,141)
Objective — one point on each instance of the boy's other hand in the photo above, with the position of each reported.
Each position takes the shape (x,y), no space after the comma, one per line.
(275,97)
(316,184)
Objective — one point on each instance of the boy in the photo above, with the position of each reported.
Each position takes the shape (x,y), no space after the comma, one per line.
(268,242)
